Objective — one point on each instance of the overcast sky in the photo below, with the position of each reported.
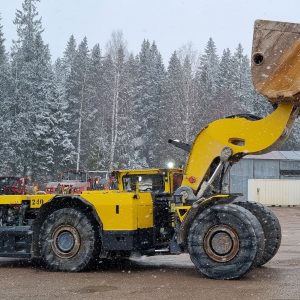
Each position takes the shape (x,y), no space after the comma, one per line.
(171,23)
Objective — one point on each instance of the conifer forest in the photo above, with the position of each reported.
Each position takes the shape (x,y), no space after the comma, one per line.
(101,107)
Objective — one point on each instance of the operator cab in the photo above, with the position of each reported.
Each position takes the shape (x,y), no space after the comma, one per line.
(149,180)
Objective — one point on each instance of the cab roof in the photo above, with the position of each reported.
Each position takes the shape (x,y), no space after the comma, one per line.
(148,171)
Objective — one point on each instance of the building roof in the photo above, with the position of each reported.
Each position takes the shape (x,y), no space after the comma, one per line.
(277,155)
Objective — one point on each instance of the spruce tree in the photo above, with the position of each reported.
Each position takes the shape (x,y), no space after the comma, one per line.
(64,150)
(33,91)
(95,143)
(133,114)
(151,76)
(76,95)
(209,67)
(189,105)
(173,110)
(69,55)
(226,95)
(206,85)
(249,100)
(7,153)
(116,77)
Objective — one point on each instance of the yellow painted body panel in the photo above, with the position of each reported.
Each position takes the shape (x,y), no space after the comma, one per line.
(116,210)
(145,210)
(134,210)
(36,201)
(252,136)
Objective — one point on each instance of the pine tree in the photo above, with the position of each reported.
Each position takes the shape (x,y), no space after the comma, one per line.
(117,79)
(208,69)
(42,158)
(248,99)
(173,110)
(190,60)
(96,145)
(226,72)
(69,56)
(131,141)
(151,76)
(33,91)
(64,150)
(76,95)
(61,114)
(6,151)
(226,95)
(206,86)
(188,99)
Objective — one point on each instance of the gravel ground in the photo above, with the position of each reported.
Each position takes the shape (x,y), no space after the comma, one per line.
(162,277)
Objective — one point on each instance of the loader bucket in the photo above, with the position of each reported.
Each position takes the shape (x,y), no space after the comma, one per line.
(275,63)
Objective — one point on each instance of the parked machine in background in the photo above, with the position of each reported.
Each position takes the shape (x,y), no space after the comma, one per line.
(171,210)
(75,182)
(13,185)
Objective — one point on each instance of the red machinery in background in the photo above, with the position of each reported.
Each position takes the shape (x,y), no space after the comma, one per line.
(75,182)
(13,185)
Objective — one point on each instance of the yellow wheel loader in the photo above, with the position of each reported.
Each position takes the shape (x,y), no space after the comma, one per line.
(172,210)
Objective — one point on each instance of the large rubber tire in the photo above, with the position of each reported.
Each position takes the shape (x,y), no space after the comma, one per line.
(210,230)
(69,241)
(270,225)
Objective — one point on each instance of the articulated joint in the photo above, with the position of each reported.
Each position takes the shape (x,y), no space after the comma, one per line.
(225,154)
(184,194)
(224,157)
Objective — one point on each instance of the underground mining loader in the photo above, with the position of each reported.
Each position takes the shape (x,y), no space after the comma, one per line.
(172,211)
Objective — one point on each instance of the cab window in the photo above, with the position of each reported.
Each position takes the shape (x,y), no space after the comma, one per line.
(146,183)
(177,179)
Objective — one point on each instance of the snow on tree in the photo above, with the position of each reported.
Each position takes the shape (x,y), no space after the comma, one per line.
(225,96)
(130,141)
(33,90)
(76,95)
(188,99)
(69,56)
(64,150)
(206,86)
(243,88)
(172,110)
(208,69)
(6,151)
(114,111)
(116,51)
(95,146)
(151,76)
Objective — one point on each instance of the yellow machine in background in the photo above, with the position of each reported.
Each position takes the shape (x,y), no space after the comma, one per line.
(173,210)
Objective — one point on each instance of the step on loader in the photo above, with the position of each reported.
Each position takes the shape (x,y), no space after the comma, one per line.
(172,210)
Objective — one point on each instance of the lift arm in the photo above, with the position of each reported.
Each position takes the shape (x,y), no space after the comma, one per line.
(241,136)
(276,75)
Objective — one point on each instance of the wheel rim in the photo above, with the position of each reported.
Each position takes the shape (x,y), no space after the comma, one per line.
(221,243)
(65,241)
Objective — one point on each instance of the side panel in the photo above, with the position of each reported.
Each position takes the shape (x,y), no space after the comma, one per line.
(145,210)
(127,219)
(122,210)
(117,210)
(36,201)
(122,240)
